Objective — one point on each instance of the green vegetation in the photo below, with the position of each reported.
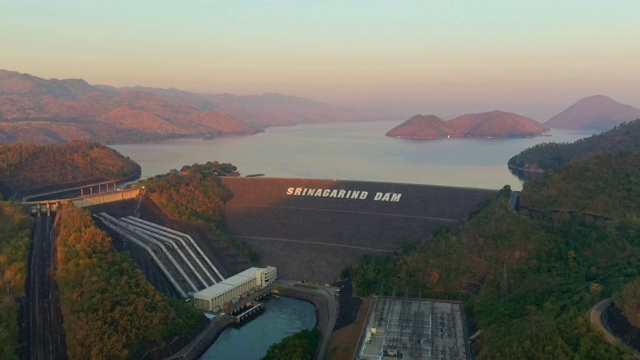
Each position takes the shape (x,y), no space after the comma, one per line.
(15,241)
(299,346)
(604,185)
(195,194)
(529,279)
(108,306)
(628,301)
(548,156)
(30,166)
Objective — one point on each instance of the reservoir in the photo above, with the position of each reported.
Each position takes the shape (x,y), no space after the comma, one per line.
(283,317)
(350,151)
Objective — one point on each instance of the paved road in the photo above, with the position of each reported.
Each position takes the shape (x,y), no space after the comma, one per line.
(45,339)
(596,320)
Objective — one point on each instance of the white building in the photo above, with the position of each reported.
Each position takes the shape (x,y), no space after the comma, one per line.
(232,288)
(266,276)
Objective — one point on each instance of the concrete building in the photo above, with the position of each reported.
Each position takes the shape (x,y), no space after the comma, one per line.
(266,276)
(231,289)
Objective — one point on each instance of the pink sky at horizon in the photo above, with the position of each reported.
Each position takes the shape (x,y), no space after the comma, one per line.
(437,57)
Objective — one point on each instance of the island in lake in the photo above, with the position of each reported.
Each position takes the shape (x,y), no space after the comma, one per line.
(493,124)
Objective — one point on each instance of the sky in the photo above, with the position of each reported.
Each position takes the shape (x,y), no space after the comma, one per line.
(441,57)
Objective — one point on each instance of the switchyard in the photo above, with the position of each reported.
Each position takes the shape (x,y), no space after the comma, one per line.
(414,329)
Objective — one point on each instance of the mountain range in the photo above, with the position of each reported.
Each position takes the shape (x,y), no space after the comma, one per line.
(493,124)
(38,110)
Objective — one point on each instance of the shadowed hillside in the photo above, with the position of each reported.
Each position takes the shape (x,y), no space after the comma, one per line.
(546,156)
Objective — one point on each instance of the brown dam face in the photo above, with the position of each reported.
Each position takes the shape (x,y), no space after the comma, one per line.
(312,229)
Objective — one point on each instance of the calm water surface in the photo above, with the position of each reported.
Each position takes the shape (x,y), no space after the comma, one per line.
(352,151)
(283,317)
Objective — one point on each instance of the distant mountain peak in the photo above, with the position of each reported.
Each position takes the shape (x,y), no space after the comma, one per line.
(597,112)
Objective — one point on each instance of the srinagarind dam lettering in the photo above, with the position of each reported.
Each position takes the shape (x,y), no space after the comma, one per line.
(343,194)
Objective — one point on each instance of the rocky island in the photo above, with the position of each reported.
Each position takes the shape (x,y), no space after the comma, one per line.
(493,124)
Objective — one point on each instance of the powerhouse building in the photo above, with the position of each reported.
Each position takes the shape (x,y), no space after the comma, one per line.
(231,289)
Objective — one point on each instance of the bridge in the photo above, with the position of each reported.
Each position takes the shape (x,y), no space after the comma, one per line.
(49,206)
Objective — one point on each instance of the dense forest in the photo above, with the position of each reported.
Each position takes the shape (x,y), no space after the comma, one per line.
(529,278)
(195,194)
(628,301)
(299,346)
(108,306)
(610,188)
(30,166)
(15,241)
(546,156)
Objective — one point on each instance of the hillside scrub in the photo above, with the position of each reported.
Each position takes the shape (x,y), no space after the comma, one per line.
(109,308)
(15,242)
(528,279)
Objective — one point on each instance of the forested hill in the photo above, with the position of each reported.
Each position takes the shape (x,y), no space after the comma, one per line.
(546,156)
(109,308)
(29,166)
(194,193)
(529,278)
(605,185)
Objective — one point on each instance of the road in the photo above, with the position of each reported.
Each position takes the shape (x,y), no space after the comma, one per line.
(45,339)
(323,299)
(596,319)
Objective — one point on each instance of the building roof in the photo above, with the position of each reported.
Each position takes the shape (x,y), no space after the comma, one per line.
(213,291)
(226,285)
(242,277)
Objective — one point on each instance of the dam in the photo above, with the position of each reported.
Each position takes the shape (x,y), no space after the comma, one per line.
(312,229)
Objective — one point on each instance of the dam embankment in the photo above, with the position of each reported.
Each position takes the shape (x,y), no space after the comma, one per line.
(312,229)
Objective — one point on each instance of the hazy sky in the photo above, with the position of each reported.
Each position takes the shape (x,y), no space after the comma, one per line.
(442,57)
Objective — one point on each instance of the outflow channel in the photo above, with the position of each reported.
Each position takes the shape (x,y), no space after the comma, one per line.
(176,254)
